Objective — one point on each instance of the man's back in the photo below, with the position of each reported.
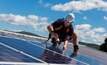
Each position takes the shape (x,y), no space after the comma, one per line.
(58,25)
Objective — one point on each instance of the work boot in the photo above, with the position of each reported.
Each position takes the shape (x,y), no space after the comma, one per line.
(75,51)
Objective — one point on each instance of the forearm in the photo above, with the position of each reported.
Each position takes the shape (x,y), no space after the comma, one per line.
(52,34)
(65,44)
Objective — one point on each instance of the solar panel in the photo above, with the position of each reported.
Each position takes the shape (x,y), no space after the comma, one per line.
(7,54)
(36,52)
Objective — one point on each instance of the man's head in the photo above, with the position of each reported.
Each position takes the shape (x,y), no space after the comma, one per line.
(70,17)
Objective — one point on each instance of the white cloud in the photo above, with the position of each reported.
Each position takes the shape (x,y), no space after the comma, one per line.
(100,29)
(105,17)
(87,33)
(14,19)
(83,27)
(37,22)
(82,5)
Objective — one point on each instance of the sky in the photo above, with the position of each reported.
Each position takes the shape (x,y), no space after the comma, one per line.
(34,16)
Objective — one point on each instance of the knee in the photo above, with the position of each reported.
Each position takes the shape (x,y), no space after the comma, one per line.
(74,36)
(50,28)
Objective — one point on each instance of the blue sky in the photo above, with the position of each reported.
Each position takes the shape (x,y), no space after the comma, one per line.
(34,15)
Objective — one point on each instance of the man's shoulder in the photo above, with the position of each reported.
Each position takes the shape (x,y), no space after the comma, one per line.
(58,21)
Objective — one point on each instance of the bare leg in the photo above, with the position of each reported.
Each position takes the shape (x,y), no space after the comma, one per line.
(74,39)
(75,44)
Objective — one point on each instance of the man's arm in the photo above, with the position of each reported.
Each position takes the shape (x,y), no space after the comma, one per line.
(52,33)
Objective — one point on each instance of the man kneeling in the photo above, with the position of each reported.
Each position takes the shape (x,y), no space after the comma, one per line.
(62,31)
